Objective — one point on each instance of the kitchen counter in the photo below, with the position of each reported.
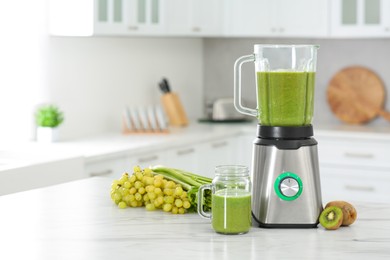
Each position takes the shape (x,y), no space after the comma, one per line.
(77,220)
(14,155)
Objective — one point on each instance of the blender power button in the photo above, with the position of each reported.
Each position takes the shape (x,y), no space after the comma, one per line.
(288,186)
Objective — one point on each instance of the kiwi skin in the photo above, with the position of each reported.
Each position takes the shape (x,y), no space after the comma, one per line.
(349,212)
(331,217)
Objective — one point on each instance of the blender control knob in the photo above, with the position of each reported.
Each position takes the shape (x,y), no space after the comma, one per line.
(288,186)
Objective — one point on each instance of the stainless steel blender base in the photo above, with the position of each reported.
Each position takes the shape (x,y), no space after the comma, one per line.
(286,186)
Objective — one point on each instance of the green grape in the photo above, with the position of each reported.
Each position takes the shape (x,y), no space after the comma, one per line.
(148,180)
(157,182)
(146,197)
(182,210)
(150,206)
(131,197)
(139,176)
(183,195)
(149,188)
(178,203)
(132,190)
(127,184)
(167,207)
(170,185)
(124,191)
(141,190)
(169,199)
(175,210)
(168,191)
(127,199)
(117,196)
(178,191)
(159,201)
(122,205)
(138,197)
(132,178)
(186,204)
(140,203)
(134,203)
(158,191)
(148,171)
(152,195)
(138,184)
(137,169)
(115,184)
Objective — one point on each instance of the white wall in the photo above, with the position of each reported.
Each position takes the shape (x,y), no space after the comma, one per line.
(90,79)
(94,78)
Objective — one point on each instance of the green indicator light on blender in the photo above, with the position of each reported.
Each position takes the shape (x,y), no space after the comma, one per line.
(288,186)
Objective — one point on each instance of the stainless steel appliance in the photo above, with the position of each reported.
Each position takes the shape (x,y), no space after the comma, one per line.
(285,172)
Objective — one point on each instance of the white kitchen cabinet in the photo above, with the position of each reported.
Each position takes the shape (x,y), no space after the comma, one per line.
(42,174)
(354,184)
(217,152)
(354,168)
(360,18)
(301,18)
(105,17)
(194,17)
(112,167)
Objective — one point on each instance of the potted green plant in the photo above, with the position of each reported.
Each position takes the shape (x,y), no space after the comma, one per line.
(48,118)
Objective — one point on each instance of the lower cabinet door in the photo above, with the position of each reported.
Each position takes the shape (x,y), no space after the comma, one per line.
(354,184)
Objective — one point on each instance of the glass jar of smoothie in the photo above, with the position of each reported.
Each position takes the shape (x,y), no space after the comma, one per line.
(285,79)
(231,200)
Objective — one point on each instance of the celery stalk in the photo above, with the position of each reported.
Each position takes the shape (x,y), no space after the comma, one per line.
(190,182)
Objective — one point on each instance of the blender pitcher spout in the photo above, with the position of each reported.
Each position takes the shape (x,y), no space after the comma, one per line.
(237,86)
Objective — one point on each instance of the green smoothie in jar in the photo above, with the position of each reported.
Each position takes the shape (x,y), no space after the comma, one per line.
(231,211)
(285,98)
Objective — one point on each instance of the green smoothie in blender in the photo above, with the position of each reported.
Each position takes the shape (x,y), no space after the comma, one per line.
(285,98)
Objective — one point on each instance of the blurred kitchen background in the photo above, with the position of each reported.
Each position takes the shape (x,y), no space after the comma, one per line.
(192,43)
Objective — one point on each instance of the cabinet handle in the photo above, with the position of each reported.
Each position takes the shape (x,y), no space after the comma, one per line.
(359,155)
(132,28)
(360,188)
(219,144)
(196,29)
(102,173)
(148,159)
(186,151)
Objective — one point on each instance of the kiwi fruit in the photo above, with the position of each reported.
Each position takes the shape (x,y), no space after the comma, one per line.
(349,212)
(331,217)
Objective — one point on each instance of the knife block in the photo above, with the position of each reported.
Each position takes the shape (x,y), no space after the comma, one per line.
(174,109)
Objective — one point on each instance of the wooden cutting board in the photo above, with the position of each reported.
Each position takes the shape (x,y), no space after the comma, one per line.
(356,95)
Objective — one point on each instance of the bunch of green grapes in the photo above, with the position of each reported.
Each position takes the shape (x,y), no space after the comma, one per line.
(143,188)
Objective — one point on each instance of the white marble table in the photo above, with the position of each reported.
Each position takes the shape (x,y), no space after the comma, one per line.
(77,220)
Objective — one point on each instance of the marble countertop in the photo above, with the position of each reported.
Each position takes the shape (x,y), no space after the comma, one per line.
(77,220)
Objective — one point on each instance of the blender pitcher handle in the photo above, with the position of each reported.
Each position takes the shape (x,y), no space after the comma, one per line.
(237,86)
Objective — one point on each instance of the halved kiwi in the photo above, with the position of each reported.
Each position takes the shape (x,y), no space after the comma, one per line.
(331,217)
(349,212)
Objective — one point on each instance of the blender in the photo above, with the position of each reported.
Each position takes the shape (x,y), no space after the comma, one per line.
(285,173)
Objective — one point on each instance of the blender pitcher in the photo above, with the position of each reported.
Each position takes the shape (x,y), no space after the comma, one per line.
(285,76)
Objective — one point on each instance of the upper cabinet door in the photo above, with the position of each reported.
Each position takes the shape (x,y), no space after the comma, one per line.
(259,18)
(248,17)
(301,18)
(194,17)
(106,17)
(360,18)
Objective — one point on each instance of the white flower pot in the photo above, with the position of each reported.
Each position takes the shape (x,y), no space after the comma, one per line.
(47,134)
